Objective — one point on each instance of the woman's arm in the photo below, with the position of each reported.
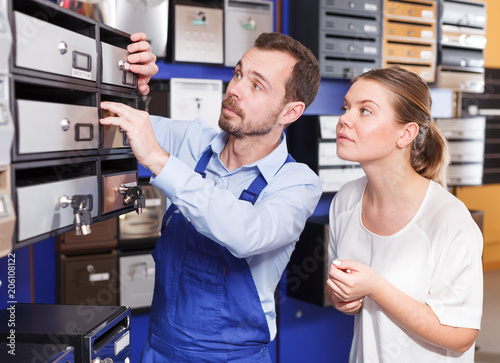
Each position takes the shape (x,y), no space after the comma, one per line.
(413,316)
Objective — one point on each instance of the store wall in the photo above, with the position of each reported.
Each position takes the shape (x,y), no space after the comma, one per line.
(487,198)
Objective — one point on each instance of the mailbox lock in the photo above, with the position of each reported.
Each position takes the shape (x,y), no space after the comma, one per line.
(100,360)
(124,66)
(65,124)
(63,47)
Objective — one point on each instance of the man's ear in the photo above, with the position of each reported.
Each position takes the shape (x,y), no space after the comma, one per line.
(291,112)
(410,132)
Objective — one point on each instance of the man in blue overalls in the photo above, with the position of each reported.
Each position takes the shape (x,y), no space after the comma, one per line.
(237,205)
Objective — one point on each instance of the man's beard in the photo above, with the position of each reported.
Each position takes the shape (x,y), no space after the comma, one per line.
(239,129)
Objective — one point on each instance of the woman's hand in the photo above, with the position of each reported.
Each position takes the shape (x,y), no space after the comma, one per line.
(142,61)
(348,283)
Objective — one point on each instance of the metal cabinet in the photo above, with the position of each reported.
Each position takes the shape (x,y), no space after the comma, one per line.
(466,144)
(139,232)
(7,212)
(410,36)
(42,353)
(115,67)
(137,277)
(96,333)
(90,279)
(196,31)
(5,38)
(104,237)
(191,98)
(66,170)
(45,47)
(147,17)
(462,41)
(244,21)
(485,107)
(347,36)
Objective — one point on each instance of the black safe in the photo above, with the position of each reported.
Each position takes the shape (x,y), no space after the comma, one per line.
(92,331)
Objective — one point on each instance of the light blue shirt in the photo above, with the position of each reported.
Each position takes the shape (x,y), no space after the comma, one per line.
(265,233)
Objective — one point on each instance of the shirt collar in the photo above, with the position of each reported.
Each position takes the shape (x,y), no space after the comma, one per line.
(268,166)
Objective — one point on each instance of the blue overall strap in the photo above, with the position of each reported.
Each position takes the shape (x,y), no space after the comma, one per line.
(259,183)
(201,166)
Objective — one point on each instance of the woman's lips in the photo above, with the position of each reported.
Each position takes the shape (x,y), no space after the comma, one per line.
(341,137)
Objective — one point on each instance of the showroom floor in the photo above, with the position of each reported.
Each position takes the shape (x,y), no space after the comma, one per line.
(488,342)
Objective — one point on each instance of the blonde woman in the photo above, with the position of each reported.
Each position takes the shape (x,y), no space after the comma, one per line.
(405,253)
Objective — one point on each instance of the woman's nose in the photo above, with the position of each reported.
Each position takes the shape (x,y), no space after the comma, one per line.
(344,120)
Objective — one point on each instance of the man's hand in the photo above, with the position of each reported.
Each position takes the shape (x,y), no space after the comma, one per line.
(142,61)
(140,134)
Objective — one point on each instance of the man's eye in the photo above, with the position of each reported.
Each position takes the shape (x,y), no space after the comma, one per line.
(237,75)
(256,87)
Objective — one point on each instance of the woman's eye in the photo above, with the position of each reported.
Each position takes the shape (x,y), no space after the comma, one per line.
(364,111)
(343,109)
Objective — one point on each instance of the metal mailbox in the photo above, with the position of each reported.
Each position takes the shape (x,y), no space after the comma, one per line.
(68,127)
(244,22)
(43,193)
(103,238)
(112,138)
(458,80)
(467,151)
(150,17)
(41,353)
(411,10)
(346,37)
(96,333)
(459,36)
(197,31)
(333,179)
(191,98)
(118,174)
(415,52)
(462,58)
(90,279)
(327,155)
(465,174)
(45,47)
(359,7)
(40,210)
(464,13)
(345,68)
(115,67)
(350,47)
(6,132)
(137,278)
(7,213)
(142,231)
(5,40)
(462,128)
(113,199)
(349,26)
(409,31)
